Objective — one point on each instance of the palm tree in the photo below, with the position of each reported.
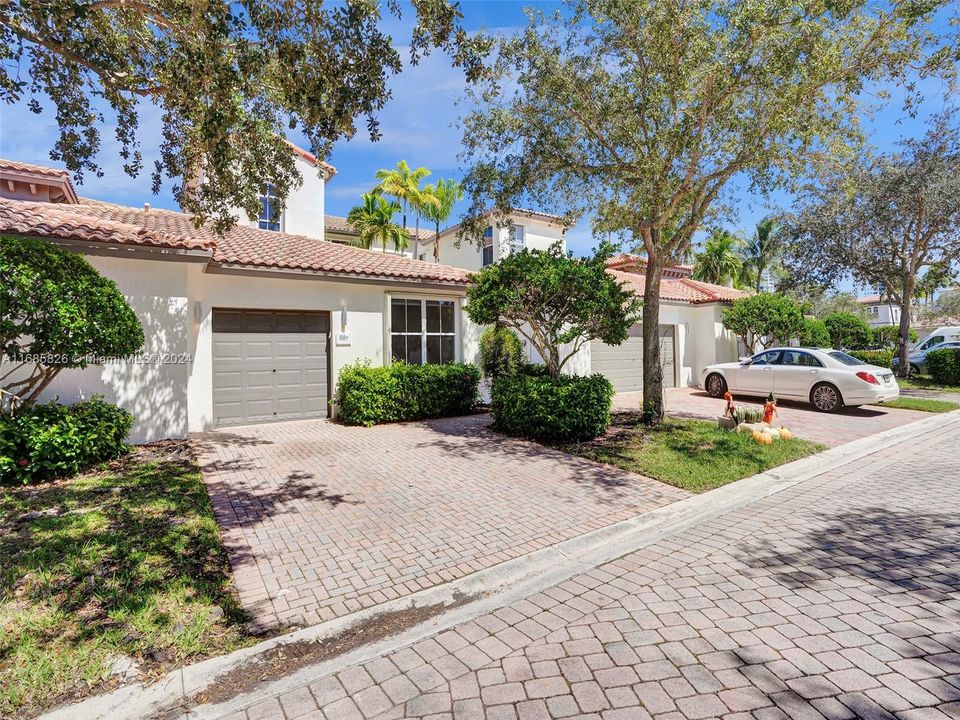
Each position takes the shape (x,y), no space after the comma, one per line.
(761,250)
(373,221)
(448,193)
(404,184)
(718,263)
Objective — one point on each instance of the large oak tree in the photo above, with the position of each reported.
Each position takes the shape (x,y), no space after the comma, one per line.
(641,112)
(228,77)
(889,221)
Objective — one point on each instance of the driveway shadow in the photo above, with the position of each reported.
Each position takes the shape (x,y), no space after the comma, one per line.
(473,438)
(898,550)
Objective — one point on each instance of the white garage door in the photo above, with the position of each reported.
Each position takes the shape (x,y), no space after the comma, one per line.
(269,365)
(623,364)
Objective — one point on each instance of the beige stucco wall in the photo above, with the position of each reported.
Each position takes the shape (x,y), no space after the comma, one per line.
(304,213)
(170,390)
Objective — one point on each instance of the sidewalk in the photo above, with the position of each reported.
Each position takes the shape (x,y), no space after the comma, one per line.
(837,597)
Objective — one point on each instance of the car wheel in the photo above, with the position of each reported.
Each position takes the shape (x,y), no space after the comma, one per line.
(826,398)
(716,385)
(914,369)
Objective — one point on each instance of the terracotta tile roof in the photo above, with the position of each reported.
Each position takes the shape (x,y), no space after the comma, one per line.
(17,166)
(869,300)
(312,159)
(335,223)
(638,263)
(681,289)
(66,221)
(96,221)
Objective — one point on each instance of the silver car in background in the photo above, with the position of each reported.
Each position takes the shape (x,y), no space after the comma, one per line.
(828,379)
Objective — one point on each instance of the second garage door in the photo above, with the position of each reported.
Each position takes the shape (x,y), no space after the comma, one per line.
(269,365)
(623,364)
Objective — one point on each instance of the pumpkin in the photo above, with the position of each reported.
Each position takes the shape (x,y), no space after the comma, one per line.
(773,433)
(785,434)
(767,439)
(756,435)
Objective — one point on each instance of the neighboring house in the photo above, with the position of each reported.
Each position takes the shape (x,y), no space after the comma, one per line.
(339,230)
(255,325)
(691,331)
(880,310)
(523,229)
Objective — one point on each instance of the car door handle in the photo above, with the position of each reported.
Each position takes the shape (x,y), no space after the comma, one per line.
(768,369)
(814,372)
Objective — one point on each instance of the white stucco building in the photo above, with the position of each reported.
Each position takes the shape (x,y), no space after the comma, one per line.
(880,310)
(255,325)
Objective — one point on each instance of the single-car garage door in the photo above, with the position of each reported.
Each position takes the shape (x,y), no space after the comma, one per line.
(269,365)
(623,364)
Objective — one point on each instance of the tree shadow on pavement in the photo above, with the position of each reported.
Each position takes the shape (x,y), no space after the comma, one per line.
(894,549)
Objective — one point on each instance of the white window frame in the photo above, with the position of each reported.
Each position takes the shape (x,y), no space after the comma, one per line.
(488,245)
(517,243)
(423,300)
(268,194)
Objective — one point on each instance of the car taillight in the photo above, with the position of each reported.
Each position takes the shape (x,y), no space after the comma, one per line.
(868,377)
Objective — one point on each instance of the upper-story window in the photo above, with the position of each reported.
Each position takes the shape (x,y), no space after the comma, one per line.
(269,212)
(517,238)
(487,252)
(875,310)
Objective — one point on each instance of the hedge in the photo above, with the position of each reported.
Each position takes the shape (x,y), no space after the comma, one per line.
(54,440)
(534,405)
(501,351)
(944,366)
(370,395)
(882,358)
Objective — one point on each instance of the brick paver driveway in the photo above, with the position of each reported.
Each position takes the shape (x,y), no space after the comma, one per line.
(838,597)
(321,519)
(831,430)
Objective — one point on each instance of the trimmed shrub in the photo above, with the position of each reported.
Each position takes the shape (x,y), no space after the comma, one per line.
(889,336)
(814,333)
(847,330)
(534,405)
(944,366)
(501,352)
(54,440)
(370,395)
(882,358)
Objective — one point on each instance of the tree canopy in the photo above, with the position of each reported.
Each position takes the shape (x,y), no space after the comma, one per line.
(58,312)
(229,79)
(556,302)
(847,330)
(642,111)
(885,220)
(765,319)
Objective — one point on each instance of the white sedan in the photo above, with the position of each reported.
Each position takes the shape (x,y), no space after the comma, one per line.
(827,379)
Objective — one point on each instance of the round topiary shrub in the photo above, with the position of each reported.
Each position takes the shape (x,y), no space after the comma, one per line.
(534,405)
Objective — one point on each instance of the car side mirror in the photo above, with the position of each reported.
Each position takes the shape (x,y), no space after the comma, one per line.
(746,360)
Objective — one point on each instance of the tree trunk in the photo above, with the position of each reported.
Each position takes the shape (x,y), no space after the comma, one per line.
(904,340)
(652,371)
(436,245)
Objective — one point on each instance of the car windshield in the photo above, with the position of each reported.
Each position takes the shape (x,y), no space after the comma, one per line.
(846,359)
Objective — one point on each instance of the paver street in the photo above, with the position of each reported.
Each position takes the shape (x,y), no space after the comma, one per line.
(838,597)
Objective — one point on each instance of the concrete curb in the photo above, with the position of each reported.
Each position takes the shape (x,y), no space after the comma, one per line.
(497,586)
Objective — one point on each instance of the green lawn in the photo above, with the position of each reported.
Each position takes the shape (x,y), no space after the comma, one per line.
(126,559)
(695,455)
(922,382)
(910,403)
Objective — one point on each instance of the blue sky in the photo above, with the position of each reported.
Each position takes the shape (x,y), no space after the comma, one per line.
(419,125)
